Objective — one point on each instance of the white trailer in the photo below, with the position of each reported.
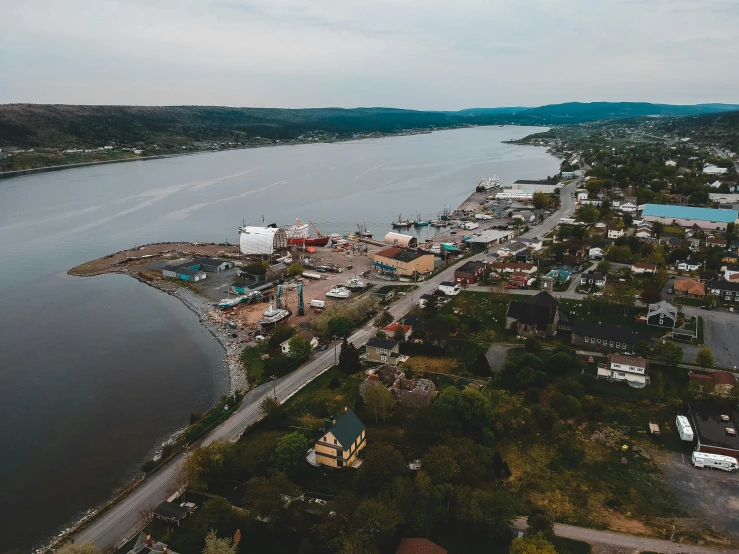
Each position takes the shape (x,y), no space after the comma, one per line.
(684,429)
(318,304)
(704,459)
(483,216)
(312,275)
(469,225)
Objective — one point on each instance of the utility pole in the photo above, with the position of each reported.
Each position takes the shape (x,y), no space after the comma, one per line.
(670,544)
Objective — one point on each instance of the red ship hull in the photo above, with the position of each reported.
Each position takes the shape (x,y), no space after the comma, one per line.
(312,241)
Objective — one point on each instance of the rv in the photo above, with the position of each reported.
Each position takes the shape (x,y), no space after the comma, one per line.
(703,459)
(684,429)
(320,304)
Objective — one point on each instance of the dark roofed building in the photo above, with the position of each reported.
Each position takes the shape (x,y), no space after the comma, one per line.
(715,429)
(606,338)
(726,290)
(469,272)
(419,546)
(538,316)
(341,440)
(386,351)
(212,264)
(170,512)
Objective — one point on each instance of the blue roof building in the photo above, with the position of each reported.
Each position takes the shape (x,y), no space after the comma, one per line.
(688,216)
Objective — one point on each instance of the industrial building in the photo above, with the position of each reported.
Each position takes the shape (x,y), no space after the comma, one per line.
(262,240)
(489,238)
(398,239)
(399,262)
(685,216)
(544,186)
(715,429)
(184,272)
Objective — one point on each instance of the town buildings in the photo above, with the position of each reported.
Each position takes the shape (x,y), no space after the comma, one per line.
(632,370)
(684,216)
(449,288)
(306,335)
(662,314)
(643,268)
(491,237)
(689,288)
(593,279)
(469,273)
(385,351)
(399,262)
(606,338)
(411,393)
(538,317)
(341,440)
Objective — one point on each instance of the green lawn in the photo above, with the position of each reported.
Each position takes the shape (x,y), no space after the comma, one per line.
(252,360)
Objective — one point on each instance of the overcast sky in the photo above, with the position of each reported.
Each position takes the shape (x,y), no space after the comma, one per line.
(421,54)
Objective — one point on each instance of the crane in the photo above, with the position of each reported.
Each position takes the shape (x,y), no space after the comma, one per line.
(301,308)
(278,299)
(318,233)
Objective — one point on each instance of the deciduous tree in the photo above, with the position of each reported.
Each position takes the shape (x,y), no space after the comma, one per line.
(669,352)
(339,327)
(294,270)
(300,348)
(650,296)
(532,545)
(290,454)
(380,401)
(79,548)
(704,358)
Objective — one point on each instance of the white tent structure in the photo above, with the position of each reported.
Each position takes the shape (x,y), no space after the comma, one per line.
(262,240)
(405,241)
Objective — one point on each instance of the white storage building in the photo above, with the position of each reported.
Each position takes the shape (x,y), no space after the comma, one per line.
(262,240)
(398,239)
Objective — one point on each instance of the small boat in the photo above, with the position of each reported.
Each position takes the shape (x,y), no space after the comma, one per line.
(401,223)
(355,284)
(418,222)
(339,292)
(227,303)
(272,317)
(363,231)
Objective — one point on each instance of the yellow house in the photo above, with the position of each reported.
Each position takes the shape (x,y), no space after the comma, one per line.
(341,441)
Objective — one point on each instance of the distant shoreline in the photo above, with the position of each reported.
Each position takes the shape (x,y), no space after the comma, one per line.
(34,170)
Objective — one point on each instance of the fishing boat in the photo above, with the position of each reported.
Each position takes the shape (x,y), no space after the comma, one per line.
(401,223)
(363,231)
(338,292)
(418,222)
(490,183)
(355,284)
(298,235)
(271,317)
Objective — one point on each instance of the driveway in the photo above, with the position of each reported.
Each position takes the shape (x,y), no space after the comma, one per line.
(497,354)
(720,334)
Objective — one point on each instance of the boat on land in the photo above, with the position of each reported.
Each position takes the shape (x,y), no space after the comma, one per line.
(401,223)
(339,292)
(299,235)
(227,303)
(271,317)
(355,284)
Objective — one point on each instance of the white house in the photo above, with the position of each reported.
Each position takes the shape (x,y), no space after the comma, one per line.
(716,184)
(670,163)
(449,288)
(628,207)
(590,278)
(595,253)
(710,169)
(307,335)
(689,265)
(729,271)
(643,268)
(535,243)
(631,369)
(615,233)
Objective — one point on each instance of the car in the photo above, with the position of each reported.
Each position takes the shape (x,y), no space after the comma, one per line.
(598,293)
(386,307)
(322,347)
(511,286)
(260,338)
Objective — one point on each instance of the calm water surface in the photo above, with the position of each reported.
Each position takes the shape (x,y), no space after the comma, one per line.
(95,372)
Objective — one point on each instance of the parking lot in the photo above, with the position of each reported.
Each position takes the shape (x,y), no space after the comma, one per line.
(710,496)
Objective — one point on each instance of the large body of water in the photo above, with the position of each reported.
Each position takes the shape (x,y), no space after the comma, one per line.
(95,372)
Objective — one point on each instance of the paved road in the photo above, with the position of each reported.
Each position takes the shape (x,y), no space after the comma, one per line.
(621,540)
(126,516)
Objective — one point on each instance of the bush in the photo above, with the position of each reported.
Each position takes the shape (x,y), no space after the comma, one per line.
(335,383)
(532,344)
(565,405)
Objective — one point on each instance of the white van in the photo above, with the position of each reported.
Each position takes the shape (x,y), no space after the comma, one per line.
(318,304)
(684,429)
(703,459)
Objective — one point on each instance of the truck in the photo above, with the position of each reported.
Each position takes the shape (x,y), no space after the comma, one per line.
(684,429)
(704,459)
(320,304)
(312,275)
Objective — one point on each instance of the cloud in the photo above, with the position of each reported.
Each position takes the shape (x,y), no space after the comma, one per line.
(430,54)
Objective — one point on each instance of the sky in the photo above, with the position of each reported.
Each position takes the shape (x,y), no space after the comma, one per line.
(418,54)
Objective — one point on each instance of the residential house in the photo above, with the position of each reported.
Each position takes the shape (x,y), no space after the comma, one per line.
(341,440)
(411,393)
(710,169)
(391,329)
(419,546)
(725,290)
(670,163)
(595,253)
(678,199)
(689,265)
(632,370)
(593,278)
(615,233)
(690,288)
(513,247)
(386,351)
(716,184)
(567,174)
(521,279)
(538,316)
(469,273)
(146,545)
(560,274)
(534,243)
(628,207)
(662,314)
(643,269)
(171,512)
(606,338)
(449,288)
(716,242)
(306,335)
(644,230)
(720,381)
(730,271)
(511,267)
(418,323)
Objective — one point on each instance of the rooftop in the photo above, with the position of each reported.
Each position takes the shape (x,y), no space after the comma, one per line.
(387,344)
(401,254)
(470,267)
(609,332)
(490,235)
(690,286)
(636,361)
(347,428)
(535,182)
(419,546)
(710,429)
(689,212)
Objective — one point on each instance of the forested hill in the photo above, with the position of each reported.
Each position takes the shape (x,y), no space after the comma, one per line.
(55,126)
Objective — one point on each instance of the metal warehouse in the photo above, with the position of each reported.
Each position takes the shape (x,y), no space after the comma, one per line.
(262,240)
(688,216)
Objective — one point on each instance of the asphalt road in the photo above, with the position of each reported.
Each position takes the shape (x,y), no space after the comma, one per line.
(124,518)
